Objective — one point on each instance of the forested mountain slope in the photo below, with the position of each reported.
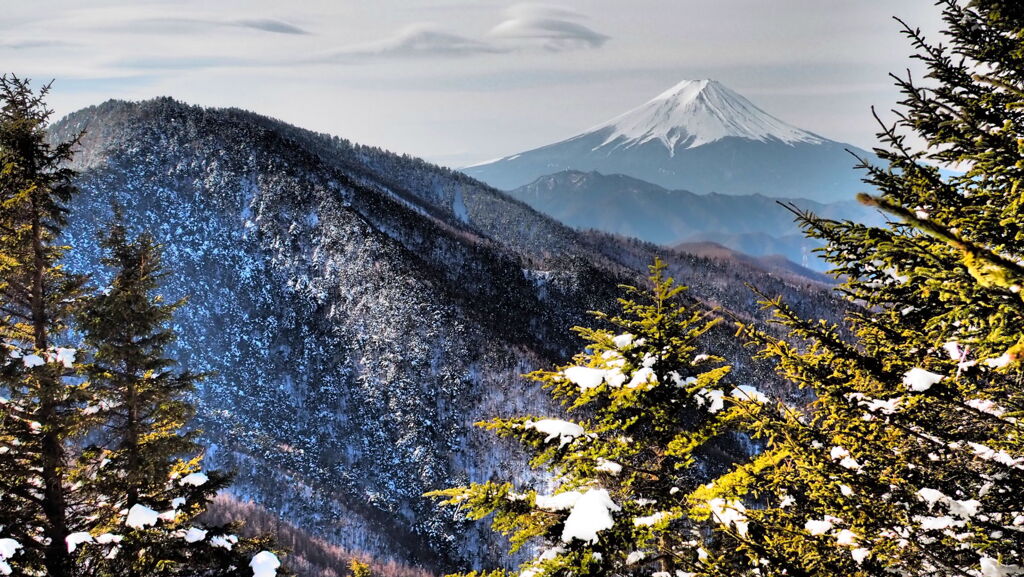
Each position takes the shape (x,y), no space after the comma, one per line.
(358,310)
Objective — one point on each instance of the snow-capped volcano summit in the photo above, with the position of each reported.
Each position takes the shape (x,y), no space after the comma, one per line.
(697,112)
(699,136)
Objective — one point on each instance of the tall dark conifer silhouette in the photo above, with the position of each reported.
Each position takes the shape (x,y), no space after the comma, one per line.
(42,479)
(151,464)
(143,396)
(98,474)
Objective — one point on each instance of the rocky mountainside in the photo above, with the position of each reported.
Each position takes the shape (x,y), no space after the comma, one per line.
(623,205)
(700,136)
(359,310)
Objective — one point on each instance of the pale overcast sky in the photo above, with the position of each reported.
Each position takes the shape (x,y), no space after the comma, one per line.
(458,82)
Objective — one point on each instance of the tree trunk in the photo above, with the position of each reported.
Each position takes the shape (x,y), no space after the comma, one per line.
(54,504)
(132,441)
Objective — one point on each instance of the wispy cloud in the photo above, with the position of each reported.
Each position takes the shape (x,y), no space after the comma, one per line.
(31,44)
(157,63)
(200,24)
(539,10)
(554,28)
(525,27)
(269,25)
(417,40)
(125,39)
(118,40)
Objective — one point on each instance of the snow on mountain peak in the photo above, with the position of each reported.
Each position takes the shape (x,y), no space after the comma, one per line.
(685,90)
(697,112)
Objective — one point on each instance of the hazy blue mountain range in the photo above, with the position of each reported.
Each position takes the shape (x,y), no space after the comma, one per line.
(753,224)
(699,136)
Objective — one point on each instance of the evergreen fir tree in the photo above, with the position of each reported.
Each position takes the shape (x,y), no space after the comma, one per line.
(42,476)
(150,464)
(911,459)
(96,476)
(647,404)
(140,394)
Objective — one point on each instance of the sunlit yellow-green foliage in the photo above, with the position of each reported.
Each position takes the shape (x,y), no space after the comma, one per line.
(911,459)
(357,568)
(644,402)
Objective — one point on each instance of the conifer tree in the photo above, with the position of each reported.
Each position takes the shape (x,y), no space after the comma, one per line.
(140,394)
(151,485)
(97,477)
(41,477)
(646,405)
(911,459)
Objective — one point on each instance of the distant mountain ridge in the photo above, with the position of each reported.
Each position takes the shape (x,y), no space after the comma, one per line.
(753,224)
(700,136)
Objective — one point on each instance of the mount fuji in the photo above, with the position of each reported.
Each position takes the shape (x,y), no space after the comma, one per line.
(699,136)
